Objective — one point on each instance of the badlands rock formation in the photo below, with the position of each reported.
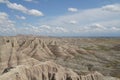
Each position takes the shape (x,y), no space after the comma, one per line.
(47,71)
(44,58)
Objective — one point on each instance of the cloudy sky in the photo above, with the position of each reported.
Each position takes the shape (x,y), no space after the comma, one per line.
(60,17)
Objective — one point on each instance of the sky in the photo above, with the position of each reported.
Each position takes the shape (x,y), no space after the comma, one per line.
(60,17)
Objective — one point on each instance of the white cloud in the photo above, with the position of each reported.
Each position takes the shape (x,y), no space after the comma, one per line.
(28,0)
(34,1)
(59,29)
(29,29)
(22,8)
(3,1)
(72,9)
(45,26)
(3,15)
(16,6)
(112,7)
(35,29)
(6,25)
(73,22)
(115,29)
(41,29)
(86,21)
(91,21)
(20,17)
(96,26)
(35,12)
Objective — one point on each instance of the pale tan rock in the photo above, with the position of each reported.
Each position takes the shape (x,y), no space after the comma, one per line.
(47,71)
(25,55)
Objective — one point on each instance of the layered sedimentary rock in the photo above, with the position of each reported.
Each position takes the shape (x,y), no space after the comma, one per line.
(22,58)
(47,71)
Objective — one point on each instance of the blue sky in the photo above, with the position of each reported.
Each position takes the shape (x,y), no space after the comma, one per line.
(60,17)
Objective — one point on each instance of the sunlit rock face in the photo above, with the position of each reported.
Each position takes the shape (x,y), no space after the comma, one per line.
(47,71)
(45,58)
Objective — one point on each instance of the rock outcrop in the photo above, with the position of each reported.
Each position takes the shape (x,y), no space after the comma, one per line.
(16,51)
(29,58)
(47,71)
